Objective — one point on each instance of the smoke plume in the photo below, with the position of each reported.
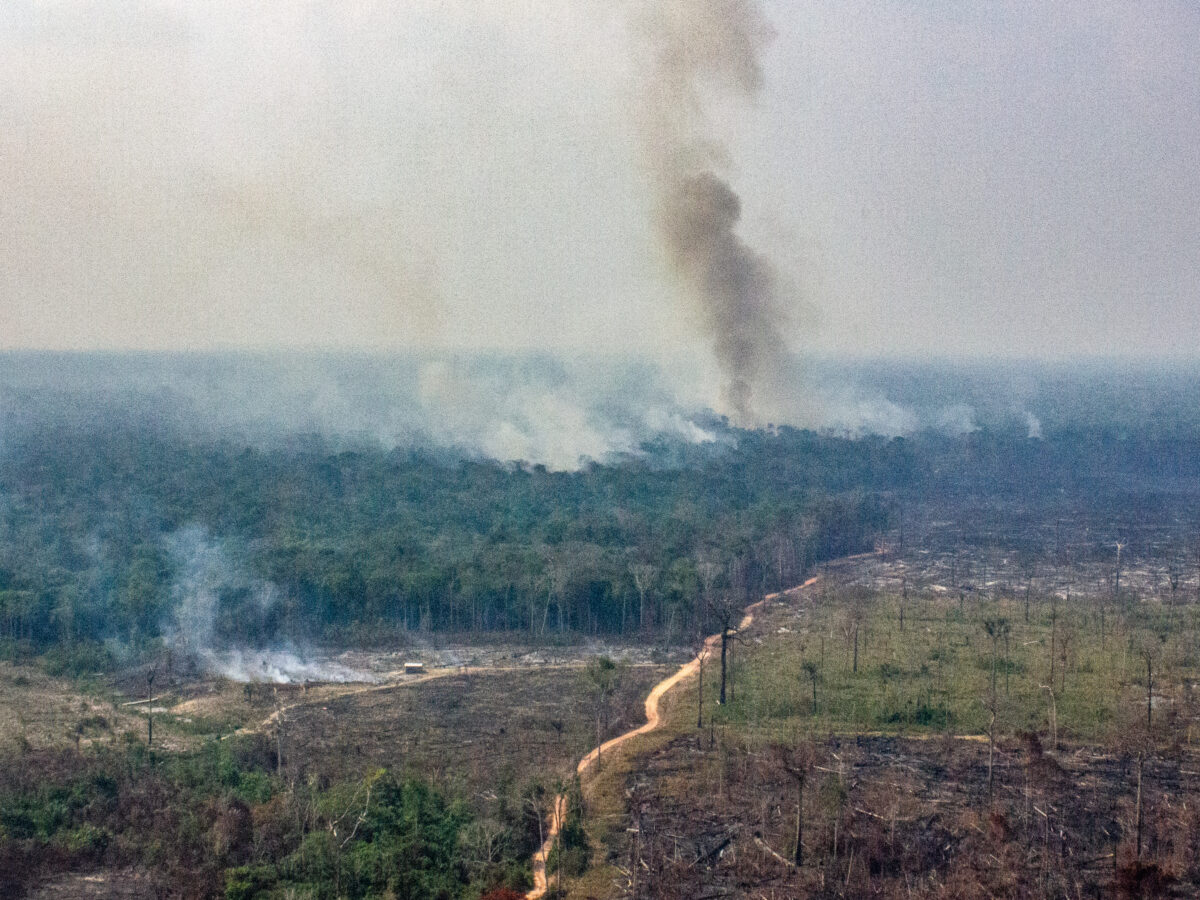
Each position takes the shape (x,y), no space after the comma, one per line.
(205,573)
(691,47)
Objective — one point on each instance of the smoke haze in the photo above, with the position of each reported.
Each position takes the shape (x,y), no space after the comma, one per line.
(933,179)
(560,412)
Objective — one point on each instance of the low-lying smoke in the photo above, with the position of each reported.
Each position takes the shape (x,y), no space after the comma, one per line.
(277,667)
(205,573)
(693,45)
(531,409)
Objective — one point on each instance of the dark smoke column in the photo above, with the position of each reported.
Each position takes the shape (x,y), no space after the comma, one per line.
(691,46)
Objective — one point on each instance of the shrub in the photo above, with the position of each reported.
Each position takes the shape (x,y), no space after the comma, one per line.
(248,882)
(87,840)
(85,658)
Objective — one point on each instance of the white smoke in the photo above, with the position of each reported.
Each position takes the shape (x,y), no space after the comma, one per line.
(277,667)
(1033,426)
(205,572)
(854,414)
(538,409)
(560,419)
(531,408)
(956,419)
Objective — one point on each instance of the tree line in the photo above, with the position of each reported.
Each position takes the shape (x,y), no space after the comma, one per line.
(364,542)
(361,544)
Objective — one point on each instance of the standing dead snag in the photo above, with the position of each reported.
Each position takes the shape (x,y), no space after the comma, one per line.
(150,707)
(996,629)
(700,646)
(851,625)
(811,670)
(798,762)
(1141,764)
(1117,574)
(603,675)
(1053,634)
(643,576)
(1049,689)
(1029,570)
(724,611)
(1150,649)
(280,712)
(1149,656)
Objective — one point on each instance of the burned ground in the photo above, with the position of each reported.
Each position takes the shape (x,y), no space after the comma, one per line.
(900,804)
(471,732)
(884,816)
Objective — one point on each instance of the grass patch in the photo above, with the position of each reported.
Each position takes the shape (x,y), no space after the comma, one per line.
(937,675)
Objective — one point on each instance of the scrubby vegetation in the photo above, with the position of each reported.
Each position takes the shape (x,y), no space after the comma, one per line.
(223,821)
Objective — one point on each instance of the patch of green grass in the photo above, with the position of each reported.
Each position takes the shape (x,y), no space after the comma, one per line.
(937,674)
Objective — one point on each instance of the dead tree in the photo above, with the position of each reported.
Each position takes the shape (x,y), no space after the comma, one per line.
(852,620)
(811,670)
(700,646)
(603,676)
(1049,689)
(1066,635)
(1117,574)
(1148,655)
(150,707)
(1029,569)
(1053,634)
(725,609)
(724,613)
(643,577)
(996,629)
(798,762)
(280,711)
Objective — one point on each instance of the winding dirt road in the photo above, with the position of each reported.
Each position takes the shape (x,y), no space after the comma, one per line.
(395,680)
(687,670)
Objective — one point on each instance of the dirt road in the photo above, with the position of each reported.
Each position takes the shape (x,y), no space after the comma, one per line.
(687,670)
(397,680)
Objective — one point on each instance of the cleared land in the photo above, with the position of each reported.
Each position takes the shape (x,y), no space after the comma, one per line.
(494,738)
(904,792)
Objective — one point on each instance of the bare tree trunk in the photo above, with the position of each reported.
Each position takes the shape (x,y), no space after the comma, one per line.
(798,851)
(991,757)
(1007,663)
(1149,690)
(1141,761)
(1053,636)
(1117,578)
(599,738)
(150,709)
(732,647)
(724,646)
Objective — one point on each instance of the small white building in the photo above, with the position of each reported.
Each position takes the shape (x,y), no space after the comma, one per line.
(414,668)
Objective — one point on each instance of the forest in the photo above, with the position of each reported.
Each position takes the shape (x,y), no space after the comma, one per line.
(351,544)
(362,544)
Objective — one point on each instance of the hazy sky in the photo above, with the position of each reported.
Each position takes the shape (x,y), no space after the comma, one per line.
(951,178)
